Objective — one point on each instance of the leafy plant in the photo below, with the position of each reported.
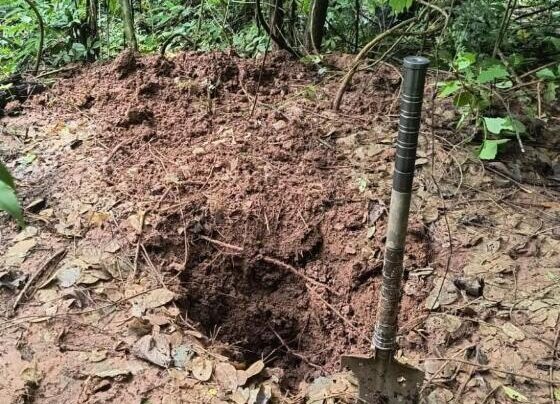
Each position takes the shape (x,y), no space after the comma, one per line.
(8,199)
(481,91)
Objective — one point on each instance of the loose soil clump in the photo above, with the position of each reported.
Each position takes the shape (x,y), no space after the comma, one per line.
(277,245)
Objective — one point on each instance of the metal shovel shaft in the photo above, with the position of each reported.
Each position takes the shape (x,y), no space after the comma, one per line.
(384,338)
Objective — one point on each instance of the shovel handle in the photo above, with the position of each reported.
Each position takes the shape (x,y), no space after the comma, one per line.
(415,67)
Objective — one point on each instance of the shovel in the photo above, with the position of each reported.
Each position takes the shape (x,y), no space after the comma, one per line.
(381,378)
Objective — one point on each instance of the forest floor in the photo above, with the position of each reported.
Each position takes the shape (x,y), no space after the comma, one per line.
(183,248)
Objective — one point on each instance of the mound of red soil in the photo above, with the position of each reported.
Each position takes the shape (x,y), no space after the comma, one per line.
(259,213)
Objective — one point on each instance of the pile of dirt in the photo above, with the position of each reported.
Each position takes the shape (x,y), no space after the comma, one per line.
(277,246)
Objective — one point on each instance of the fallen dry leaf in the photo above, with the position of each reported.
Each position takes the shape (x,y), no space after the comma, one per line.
(154,298)
(513,332)
(17,253)
(201,368)
(154,349)
(226,376)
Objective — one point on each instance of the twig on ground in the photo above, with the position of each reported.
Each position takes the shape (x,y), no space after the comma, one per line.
(464,384)
(533,71)
(358,60)
(554,356)
(222,244)
(293,270)
(294,353)
(491,393)
(260,77)
(496,370)
(138,243)
(57,256)
(61,70)
(273,261)
(157,274)
(434,375)
(4,325)
(339,315)
(115,150)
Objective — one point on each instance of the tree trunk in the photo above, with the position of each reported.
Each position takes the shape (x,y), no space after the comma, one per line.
(277,19)
(92,12)
(41,24)
(128,22)
(317,19)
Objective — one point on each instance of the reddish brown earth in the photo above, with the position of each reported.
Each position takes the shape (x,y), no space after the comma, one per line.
(272,185)
(267,227)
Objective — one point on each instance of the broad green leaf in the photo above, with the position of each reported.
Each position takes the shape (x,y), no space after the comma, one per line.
(549,94)
(495,125)
(400,5)
(9,203)
(448,88)
(515,395)
(546,74)
(489,148)
(514,125)
(5,176)
(557,394)
(464,60)
(492,73)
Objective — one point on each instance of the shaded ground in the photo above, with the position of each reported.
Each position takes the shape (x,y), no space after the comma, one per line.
(259,236)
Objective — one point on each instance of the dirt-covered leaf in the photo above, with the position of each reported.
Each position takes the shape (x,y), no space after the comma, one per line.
(69,273)
(112,372)
(255,369)
(154,298)
(17,253)
(201,368)
(28,232)
(226,376)
(182,355)
(441,295)
(513,332)
(155,349)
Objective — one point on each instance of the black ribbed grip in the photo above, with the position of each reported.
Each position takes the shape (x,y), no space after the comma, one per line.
(409,122)
(384,336)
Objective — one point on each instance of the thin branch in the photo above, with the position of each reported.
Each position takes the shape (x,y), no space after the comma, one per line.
(282,44)
(358,60)
(33,6)
(55,258)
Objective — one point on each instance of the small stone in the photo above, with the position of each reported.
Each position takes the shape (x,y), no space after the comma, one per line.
(279,125)
(350,250)
(197,151)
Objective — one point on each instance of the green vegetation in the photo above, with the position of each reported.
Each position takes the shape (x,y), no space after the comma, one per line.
(8,199)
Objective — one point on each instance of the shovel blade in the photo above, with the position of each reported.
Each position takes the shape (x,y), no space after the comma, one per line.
(384,380)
